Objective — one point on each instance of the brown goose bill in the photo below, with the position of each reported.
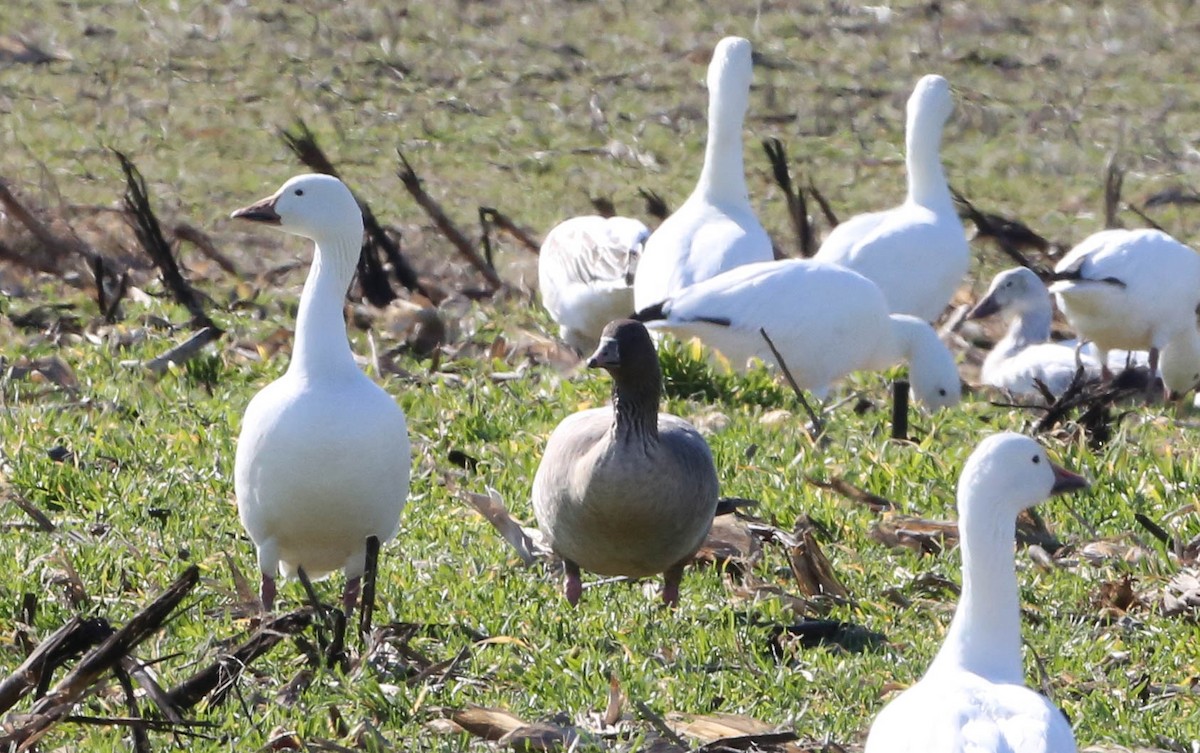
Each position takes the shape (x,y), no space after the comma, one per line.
(1067,481)
(260,211)
(986,307)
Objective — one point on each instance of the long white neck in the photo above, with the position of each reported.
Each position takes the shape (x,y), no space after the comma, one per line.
(923,160)
(985,634)
(723,177)
(321,346)
(1029,327)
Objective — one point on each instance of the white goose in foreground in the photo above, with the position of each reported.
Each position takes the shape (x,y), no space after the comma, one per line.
(1138,290)
(825,320)
(626,490)
(585,274)
(916,253)
(715,229)
(973,696)
(323,456)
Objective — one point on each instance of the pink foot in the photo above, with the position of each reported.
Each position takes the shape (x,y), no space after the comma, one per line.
(267,593)
(670,592)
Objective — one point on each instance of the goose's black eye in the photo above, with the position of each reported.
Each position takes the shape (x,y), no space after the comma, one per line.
(299,192)
(942,392)
(1037,459)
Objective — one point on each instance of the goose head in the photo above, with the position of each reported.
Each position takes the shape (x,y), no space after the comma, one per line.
(729,76)
(318,207)
(629,234)
(1012,470)
(1017,290)
(627,352)
(930,104)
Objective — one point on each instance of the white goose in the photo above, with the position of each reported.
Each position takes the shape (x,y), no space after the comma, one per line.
(1138,290)
(826,321)
(916,253)
(1025,353)
(323,457)
(585,274)
(715,229)
(626,490)
(973,696)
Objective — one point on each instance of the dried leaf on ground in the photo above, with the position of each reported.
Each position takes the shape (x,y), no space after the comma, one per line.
(726,728)
(730,543)
(853,493)
(812,569)
(491,506)
(919,534)
(1182,594)
(1115,597)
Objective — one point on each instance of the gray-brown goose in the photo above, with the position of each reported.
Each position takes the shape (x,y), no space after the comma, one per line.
(626,490)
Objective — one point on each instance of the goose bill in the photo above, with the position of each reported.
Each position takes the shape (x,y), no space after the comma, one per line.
(1067,481)
(260,211)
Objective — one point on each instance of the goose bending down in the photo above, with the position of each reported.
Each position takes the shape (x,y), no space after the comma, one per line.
(626,490)
(323,457)
(825,320)
(916,253)
(973,696)
(715,228)
(585,274)
(1138,290)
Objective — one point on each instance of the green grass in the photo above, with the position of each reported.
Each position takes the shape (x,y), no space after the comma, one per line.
(491,111)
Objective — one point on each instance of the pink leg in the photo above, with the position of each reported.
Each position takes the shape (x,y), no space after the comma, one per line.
(572,584)
(670,592)
(350,595)
(267,593)
(1152,391)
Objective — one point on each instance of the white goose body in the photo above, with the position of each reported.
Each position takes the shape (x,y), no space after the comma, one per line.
(585,274)
(973,698)
(826,321)
(715,229)
(916,253)
(1137,290)
(323,457)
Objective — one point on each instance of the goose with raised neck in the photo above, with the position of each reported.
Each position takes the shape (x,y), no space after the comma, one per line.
(323,456)
(1137,290)
(917,253)
(826,321)
(973,695)
(715,229)
(1025,355)
(626,490)
(585,274)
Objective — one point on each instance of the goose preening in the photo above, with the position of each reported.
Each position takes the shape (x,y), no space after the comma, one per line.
(626,490)
(323,456)
(825,320)
(715,229)
(973,696)
(1137,290)
(916,253)
(585,274)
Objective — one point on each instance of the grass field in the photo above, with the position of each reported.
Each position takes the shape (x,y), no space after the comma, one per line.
(489,101)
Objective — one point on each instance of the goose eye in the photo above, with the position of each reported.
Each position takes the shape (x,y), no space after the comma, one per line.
(299,192)
(1037,459)
(942,391)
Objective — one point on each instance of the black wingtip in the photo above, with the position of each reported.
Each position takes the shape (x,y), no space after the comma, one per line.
(652,313)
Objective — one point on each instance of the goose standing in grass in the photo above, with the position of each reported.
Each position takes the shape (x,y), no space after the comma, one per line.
(715,229)
(1025,354)
(916,253)
(626,490)
(973,696)
(585,274)
(826,321)
(323,457)
(1138,290)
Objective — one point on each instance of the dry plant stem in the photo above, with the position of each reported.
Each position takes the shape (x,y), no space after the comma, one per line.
(818,426)
(656,206)
(797,210)
(202,241)
(40,518)
(141,741)
(1114,178)
(826,207)
(150,236)
(153,690)
(185,351)
(59,702)
(900,410)
(502,221)
(988,229)
(412,183)
(659,725)
(74,637)
(219,677)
